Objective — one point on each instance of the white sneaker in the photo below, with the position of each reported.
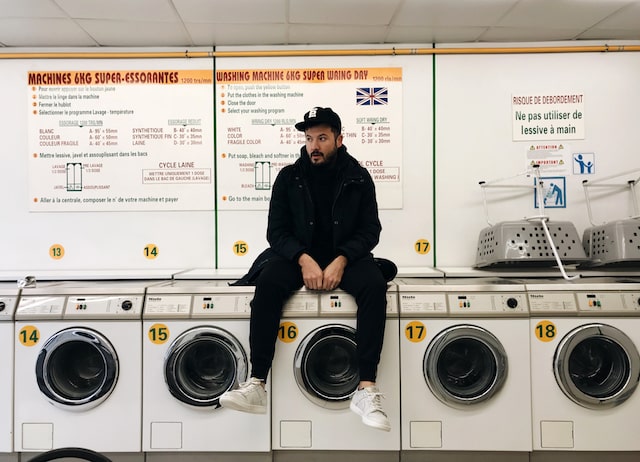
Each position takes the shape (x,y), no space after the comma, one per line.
(367,403)
(250,396)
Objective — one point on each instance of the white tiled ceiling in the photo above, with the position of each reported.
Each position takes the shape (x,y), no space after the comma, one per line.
(194,23)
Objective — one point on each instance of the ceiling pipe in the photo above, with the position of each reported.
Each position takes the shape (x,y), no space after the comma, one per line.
(294,53)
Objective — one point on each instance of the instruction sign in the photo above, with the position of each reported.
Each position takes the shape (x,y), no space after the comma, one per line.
(584,163)
(120,140)
(548,116)
(256,110)
(554,192)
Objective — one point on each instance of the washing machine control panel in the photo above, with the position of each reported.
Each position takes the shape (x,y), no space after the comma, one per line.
(164,306)
(103,306)
(79,307)
(631,299)
(481,303)
(41,307)
(301,304)
(222,305)
(552,302)
(7,307)
(337,303)
(425,303)
(609,302)
(176,306)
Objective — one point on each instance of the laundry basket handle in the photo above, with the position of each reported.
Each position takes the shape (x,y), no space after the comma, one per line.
(631,184)
(495,184)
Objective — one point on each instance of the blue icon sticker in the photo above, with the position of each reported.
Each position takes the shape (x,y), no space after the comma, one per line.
(584,163)
(554,192)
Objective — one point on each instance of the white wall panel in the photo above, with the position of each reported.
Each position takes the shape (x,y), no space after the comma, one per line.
(474,139)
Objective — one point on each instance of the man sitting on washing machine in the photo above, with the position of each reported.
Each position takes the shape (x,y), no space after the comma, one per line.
(322,227)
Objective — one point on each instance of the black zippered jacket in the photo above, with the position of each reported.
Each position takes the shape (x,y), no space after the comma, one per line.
(355,221)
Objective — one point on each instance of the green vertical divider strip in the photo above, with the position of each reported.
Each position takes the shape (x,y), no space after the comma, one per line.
(433,153)
(215,168)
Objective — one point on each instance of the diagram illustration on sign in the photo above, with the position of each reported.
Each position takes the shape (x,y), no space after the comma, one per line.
(263,175)
(554,192)
(74,176)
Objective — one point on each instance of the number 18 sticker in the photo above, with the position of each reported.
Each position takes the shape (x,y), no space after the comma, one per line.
(545,331)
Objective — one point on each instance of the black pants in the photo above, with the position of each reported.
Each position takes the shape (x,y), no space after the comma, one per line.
(280,278)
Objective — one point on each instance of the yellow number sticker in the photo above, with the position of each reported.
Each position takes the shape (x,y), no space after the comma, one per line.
(56,251)
(287,332)
(29,335)
(151,251)
(158,333)
(415,331)
(545,331)
(422,246)
(240,248)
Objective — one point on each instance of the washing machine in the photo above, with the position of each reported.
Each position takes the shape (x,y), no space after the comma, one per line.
(78,374)
(585,364)
(196,347)
(464,355)
(314,375)
(9,293)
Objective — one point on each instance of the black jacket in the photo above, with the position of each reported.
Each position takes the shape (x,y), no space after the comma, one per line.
(355,215)
(356,226)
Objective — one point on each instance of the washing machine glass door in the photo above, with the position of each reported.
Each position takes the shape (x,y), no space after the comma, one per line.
(77,368)
(202,363)
(464,365)
(325,366)
(597,366)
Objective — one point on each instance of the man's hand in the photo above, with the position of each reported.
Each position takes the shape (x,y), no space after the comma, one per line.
(332,274)
(311,272)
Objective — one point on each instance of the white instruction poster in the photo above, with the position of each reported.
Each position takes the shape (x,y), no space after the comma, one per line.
(548,116)
(256,110)
(123,140)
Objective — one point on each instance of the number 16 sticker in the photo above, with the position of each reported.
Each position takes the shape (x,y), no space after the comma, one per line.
(287,332)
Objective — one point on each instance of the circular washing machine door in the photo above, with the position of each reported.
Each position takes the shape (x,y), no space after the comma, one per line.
(465,365)
(77,368)
(202,363)
(326,367)
(597,366)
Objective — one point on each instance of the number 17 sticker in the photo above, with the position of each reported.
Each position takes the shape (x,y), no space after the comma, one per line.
(415,331)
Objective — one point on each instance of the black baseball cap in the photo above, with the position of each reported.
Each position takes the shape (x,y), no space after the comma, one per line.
(320,116)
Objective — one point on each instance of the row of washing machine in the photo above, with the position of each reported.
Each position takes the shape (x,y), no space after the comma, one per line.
(479,364)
